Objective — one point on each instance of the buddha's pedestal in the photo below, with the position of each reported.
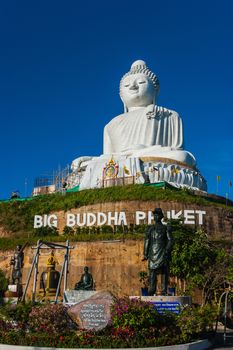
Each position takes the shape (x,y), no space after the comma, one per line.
(118,170)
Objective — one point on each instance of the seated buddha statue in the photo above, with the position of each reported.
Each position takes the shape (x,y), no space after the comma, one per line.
(145,129)
(146,141)
(86,281)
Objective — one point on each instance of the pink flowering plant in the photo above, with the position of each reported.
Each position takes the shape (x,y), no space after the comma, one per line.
(138,323)
(134,313)
(134,323)
(50,318)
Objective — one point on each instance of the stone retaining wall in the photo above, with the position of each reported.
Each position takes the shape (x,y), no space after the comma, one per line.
(198,345)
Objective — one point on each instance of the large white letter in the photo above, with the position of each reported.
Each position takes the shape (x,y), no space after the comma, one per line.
(174,215)
(122,219)
(89,217)
(112,218)
(140,215)
(84,219)
(150,217)
(103,217)
(45,220)
(200,216)
(189,217)
(52,220)
(70,220)
(38,221)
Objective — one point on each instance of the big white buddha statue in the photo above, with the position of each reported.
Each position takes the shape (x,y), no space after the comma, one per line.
(145,142)
(145,129)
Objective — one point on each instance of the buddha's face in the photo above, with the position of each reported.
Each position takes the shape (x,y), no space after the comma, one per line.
(137,90)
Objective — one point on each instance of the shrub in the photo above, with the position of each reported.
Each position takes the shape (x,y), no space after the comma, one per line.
(134,323)
(137,323)
(144,278)
(17,313)
(194,322)
(140,228)
(5,326)
(106,229)
(50,318)
(68,231)
(135,314)
(200,262)
(45,231)
(3,282)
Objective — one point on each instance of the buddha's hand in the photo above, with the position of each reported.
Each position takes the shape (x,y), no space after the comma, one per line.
(77,163)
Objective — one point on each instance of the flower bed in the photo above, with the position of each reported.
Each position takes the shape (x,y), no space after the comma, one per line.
(134,323)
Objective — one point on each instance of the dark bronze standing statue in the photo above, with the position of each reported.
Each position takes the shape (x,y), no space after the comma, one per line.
(17,263)
(157,250)
(86,281)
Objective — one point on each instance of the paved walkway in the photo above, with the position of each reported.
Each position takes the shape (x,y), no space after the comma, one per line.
(219,340)
(221,347)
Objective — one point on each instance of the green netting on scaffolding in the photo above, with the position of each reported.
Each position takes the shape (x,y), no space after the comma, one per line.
(74,189)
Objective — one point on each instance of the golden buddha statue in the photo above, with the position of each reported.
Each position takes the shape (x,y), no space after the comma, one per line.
(49,279)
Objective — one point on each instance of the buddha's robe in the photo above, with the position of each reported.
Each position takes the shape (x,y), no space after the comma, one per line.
(140,130)
(150,131)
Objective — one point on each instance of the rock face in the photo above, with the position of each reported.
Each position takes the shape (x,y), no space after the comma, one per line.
(217,221)
(4,233)
(111,264)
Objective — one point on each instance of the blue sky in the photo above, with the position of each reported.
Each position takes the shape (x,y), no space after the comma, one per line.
(60,67)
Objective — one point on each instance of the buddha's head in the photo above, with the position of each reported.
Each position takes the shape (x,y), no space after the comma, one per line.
(139,87)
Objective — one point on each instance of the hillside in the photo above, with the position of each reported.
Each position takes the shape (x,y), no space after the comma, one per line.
(17,216)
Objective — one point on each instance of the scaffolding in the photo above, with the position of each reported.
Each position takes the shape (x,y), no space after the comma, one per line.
(55,182)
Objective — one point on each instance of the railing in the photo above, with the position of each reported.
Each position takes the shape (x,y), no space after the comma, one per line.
(119,181)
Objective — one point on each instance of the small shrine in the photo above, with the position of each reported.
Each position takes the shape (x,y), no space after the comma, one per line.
(49,279)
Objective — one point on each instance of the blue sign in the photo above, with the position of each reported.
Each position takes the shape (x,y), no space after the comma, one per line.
(167,306)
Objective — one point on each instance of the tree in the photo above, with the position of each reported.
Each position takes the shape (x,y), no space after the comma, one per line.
(199,261)
(3,282)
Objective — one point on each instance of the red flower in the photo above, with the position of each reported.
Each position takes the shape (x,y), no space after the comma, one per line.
(61,338)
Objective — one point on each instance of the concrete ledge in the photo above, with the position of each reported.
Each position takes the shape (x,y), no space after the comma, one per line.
(198,345)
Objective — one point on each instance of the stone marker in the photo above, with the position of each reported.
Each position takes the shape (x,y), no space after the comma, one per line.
(72,297)
(94,312)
